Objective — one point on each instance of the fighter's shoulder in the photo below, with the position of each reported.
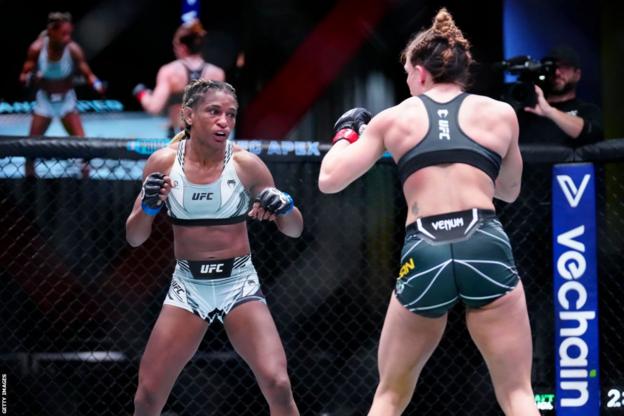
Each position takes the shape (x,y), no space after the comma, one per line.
(162,159)
(244,158)
(410,103)
(399,111)
(489,105)
(213,72)
(173,69)
(36,45)
(75,50)
(250,168)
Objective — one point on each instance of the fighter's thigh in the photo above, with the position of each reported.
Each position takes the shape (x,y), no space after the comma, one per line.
(407,341)
(39,125)
(172,343)
(73,124)
(253,334)
(502,332)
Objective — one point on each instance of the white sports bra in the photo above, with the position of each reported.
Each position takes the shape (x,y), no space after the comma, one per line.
(61,69)
(224,201)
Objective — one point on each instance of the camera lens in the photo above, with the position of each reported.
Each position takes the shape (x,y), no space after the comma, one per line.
(521,94)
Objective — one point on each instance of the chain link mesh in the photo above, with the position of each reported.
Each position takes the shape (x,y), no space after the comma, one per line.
(78,303)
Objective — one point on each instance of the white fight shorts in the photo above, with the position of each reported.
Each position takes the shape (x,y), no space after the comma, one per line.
(55,105)
(211,289)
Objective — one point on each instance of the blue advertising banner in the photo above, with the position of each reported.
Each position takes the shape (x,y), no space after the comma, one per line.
(575,290)
(190,10)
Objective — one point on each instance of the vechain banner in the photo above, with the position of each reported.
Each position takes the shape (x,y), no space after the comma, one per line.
(576,290)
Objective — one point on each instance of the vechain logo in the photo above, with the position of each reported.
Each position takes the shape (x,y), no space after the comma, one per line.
(572,193)
(572,298)
(575,290)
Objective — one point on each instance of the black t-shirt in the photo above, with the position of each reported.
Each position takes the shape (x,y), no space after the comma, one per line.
(538,129)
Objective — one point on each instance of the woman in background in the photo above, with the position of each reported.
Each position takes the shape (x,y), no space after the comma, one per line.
(174,76)
(51,64)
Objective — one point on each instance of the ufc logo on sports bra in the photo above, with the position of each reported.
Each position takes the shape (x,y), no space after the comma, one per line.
(211,268)
(443,125)
(198,196)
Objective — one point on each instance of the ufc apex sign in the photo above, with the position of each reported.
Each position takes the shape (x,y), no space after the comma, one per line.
(575,290)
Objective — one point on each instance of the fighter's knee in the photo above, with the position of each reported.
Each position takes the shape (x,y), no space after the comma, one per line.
(279,381)
(147,401)
(517,401)
(393,398)
(277,386)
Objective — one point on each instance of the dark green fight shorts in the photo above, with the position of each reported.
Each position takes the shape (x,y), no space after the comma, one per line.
(460,255)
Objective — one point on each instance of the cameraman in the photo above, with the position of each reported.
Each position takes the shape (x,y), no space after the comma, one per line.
(559,117)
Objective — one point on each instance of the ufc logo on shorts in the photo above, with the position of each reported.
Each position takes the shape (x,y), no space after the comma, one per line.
(211,268)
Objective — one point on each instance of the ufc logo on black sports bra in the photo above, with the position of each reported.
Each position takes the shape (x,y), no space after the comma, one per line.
(198,196)
(443,125)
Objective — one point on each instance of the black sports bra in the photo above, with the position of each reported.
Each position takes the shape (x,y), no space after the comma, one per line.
(191,75)
(445,142)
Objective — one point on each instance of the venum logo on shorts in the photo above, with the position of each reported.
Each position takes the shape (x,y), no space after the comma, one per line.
(211,268)
(407,267)
(448,224)
(250,288)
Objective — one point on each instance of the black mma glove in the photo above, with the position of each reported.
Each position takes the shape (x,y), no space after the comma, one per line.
(275,201)
(150,193)
(351,124)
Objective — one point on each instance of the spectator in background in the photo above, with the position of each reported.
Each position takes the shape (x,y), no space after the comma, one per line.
(51,62)
(174,76)
(559,117)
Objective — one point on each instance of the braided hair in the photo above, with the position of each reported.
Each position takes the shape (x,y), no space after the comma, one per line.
(193,93)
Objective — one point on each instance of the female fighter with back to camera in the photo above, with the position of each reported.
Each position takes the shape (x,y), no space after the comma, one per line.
(455,152)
